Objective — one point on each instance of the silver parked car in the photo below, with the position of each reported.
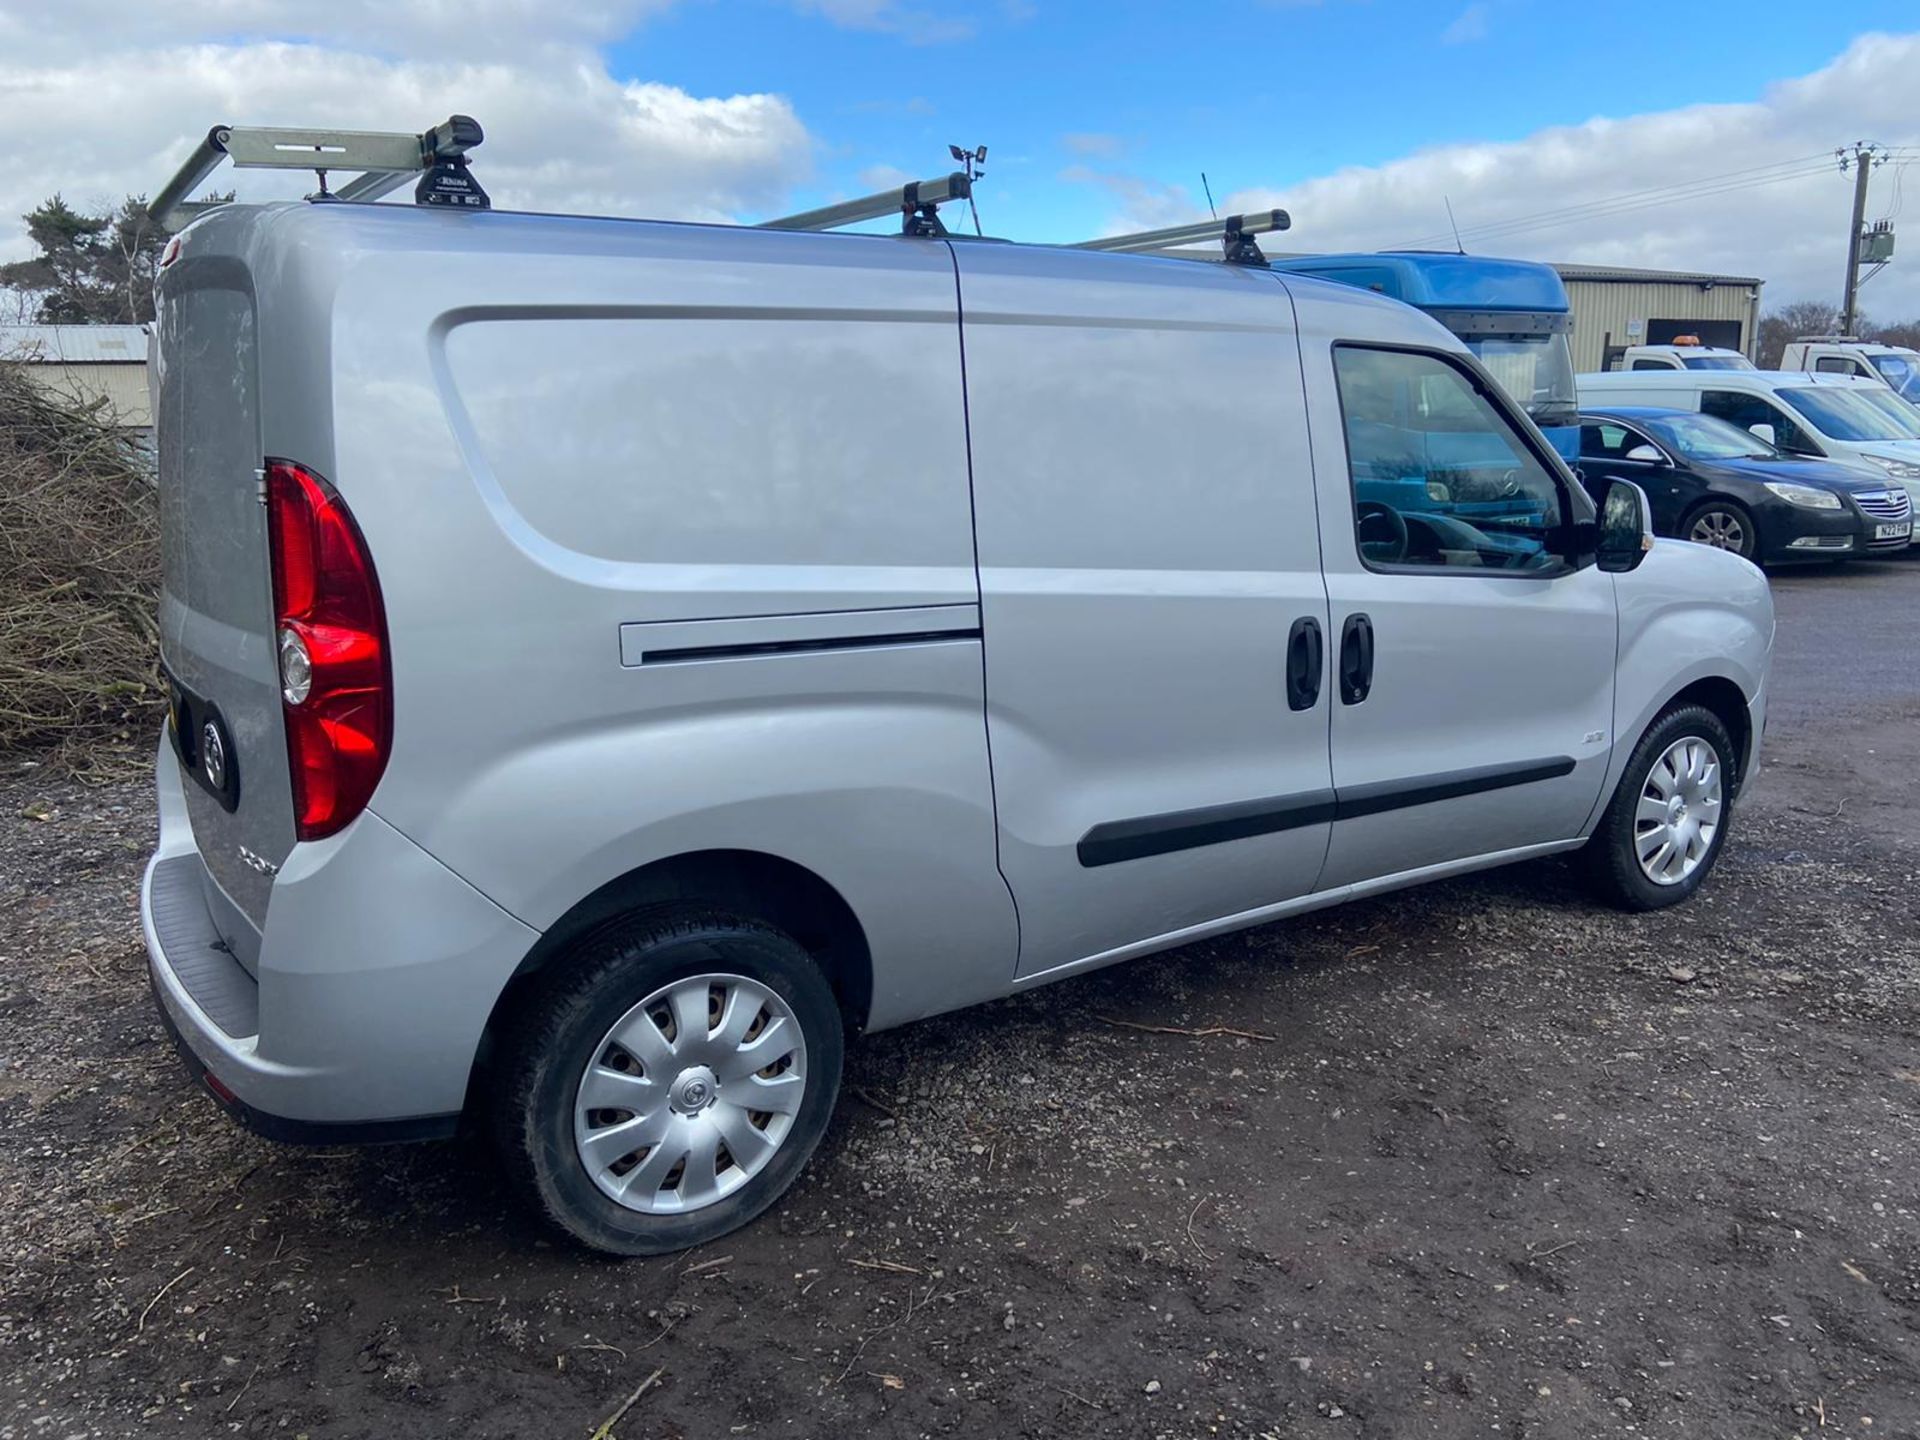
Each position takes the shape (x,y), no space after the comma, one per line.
(613,660)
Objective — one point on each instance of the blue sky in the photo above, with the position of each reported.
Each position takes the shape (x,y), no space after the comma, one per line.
(1259,95)
(1364,118)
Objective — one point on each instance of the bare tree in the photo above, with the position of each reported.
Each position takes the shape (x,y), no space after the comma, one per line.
(1779,327)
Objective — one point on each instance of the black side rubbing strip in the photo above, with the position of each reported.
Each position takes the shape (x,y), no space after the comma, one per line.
(1117,840)
(1376,799)
(801,647)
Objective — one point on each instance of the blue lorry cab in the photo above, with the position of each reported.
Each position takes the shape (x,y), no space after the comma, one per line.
(1512,314)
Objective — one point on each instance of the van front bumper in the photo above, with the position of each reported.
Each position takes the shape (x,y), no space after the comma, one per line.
(378,970)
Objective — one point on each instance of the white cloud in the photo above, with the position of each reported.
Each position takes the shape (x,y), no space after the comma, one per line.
(36,29)
(889,17)
(1143,204)
(1790,231)
(876,178)
(562,131)
(1469,25)
(1092,144)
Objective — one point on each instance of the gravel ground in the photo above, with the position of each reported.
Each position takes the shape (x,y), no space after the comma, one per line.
(1509,1165)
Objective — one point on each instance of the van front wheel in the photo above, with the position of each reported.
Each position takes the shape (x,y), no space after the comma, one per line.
(1667,821)
(671,1081)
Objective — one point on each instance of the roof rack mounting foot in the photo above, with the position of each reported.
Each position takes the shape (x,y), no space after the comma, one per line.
(917,216)
(1240,248)
(449,181)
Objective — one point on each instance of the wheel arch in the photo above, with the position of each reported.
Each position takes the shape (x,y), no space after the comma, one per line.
(1720,499)
(1728,703)
(749,883)
(1719,693)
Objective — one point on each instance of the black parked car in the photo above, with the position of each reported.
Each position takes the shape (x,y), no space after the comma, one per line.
(1716,484)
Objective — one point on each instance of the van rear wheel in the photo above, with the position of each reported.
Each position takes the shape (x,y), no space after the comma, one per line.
(1667,822)
(671,1081)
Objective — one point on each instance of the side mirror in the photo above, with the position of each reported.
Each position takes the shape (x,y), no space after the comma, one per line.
(1764,430)
(1646,455)
(1626,527)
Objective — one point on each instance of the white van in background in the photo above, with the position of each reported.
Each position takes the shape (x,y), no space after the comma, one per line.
(1685,353)
(1893,365)
(1839,417)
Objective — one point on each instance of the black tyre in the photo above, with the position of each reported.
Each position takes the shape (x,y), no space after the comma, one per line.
(1667,821)
(1724,525)
(670,1081)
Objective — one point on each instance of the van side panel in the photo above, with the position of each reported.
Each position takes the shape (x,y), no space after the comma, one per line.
(1662,389)
(718,436)
(1145,513)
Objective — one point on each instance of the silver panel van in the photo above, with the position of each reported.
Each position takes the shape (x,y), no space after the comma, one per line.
(612,662)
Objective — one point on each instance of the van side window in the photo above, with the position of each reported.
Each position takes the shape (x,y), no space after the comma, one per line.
(1651,365)
(1747,411)
(1441,480)
(1834,365)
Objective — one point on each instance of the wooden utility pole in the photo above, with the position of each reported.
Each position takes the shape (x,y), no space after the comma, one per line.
(1862,160)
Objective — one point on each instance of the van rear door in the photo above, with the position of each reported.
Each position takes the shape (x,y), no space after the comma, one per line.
(216,602)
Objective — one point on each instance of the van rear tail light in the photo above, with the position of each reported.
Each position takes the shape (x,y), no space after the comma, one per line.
(330,633)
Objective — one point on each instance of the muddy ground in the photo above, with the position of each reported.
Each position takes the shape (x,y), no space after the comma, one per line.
(1511,1165)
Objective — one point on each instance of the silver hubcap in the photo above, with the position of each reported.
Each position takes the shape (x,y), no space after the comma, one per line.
(690,1094)
(1679,812)
(1721,529)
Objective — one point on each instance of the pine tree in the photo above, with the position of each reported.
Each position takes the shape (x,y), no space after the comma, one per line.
(91,269)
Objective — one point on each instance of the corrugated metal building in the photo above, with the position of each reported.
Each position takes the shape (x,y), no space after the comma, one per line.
(1614,308)
(86,363)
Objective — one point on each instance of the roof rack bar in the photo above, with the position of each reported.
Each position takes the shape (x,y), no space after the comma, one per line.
(200,164)
(373,184)
(384,160)
(1235,232)
(262,148)
(917,201)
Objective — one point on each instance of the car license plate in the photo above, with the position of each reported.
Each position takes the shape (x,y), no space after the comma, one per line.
(1900,530)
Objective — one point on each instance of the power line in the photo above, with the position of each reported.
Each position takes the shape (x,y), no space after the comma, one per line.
(1761,174)
(1799,165)
(1617,205)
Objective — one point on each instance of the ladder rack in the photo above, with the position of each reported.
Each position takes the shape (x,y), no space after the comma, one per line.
(917,203)
(384,160)
(1235,234)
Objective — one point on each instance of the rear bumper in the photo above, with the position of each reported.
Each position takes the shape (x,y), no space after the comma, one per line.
(296,1132)
(378,970)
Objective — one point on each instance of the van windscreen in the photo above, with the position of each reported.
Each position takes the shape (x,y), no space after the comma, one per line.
(1901,372)
(1536,370)
(1843,416)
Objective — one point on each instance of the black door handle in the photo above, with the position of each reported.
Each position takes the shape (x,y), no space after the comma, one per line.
(1356,659)
(1305,656)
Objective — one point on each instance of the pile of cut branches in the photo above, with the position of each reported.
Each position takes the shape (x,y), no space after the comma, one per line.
(79,577)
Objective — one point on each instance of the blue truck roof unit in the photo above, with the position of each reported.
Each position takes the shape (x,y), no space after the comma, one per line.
(1439,281)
